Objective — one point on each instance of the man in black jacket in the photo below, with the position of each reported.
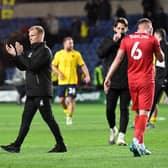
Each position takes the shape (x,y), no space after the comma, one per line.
(119,82)
(161,77)
(38,87)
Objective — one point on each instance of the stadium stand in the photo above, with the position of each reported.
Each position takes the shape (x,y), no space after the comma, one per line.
(88,48)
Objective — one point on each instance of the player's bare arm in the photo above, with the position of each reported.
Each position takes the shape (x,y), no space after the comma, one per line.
(160,56)
(60,74)
(86,73)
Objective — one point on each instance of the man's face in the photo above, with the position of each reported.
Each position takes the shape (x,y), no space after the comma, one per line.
(68,44)
(120,28)
(35,37)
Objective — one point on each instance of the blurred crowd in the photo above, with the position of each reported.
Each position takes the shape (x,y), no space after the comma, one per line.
(96,11)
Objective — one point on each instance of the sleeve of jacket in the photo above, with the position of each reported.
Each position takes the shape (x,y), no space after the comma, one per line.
(21,61)
(106,46)
(35,63)
(166,62)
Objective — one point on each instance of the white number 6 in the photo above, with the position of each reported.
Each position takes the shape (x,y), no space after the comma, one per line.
(136,50)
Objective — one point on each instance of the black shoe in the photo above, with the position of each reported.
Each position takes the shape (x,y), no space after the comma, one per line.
(10,148)
(58,148)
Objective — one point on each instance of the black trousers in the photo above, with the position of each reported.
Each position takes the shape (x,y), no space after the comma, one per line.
(159,89)
(111,103)
(32,104)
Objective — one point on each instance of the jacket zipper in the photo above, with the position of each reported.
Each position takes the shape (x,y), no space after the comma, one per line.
(37,79)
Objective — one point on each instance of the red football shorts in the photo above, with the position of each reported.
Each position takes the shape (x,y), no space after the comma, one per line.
(142,95)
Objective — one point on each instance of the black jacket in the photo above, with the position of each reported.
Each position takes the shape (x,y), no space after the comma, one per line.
(107,51)
(162,73)
(37,65)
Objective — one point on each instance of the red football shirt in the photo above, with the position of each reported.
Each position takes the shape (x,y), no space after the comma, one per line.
(140,48)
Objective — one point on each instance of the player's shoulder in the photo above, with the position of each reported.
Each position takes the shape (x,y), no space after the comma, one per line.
(125,38)
(153,39)
(59,52)
(76,52)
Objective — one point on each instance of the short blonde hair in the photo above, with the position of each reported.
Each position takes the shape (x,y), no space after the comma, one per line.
(39,29)
(143,21)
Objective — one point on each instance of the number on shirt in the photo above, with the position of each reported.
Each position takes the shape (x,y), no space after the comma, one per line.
(72,91)
(136,53)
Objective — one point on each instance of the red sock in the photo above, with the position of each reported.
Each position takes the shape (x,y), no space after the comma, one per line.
(135,124)
(140,129)
(141,139)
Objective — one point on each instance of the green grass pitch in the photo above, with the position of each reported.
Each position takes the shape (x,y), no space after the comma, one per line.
(87,141)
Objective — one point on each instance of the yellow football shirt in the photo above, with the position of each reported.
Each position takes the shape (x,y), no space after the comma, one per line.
(67,62)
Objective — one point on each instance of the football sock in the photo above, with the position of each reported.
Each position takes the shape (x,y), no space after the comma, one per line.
(142,124)
(66,111)
(135,141)
(136,120)
(153,120)
(115,129)
(141,139)
(140,127)
(135,125)
(69,115)
(142,146)
(121,135)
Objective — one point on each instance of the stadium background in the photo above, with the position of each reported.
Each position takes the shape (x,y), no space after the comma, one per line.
(17,15)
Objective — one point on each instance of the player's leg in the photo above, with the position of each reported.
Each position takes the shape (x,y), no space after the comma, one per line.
(111,103)
(62,98)
(157,96)
(166,90)
(134,147)
(70,107)
(71,94)
(124,115)
(138,147)
(153,118)
(47,115)
(143,118)
(146,93)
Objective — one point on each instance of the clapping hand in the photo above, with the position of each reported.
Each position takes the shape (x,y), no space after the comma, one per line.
(14,50)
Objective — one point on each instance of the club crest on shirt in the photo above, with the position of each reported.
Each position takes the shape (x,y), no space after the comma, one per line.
(41,102)
(30,54)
